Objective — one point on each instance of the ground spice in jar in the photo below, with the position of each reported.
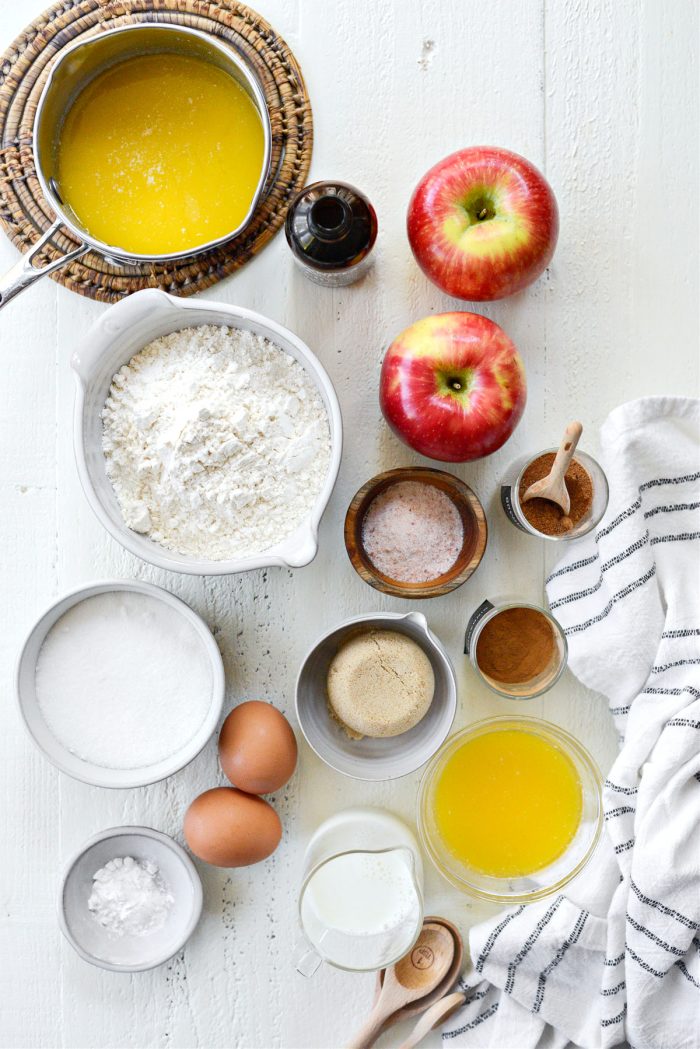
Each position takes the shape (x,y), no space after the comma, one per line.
(548,517)
(516,646)
(412,532)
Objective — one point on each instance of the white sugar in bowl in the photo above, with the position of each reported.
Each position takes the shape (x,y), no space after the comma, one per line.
(119,704)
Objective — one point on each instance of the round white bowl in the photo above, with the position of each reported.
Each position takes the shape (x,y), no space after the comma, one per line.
(121,332)
(64,759)
(375,759)
(129,953)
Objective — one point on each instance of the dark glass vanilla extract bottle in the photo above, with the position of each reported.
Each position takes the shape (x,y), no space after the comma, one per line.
(331,228)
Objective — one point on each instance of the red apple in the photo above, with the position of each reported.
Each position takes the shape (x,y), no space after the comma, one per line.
(453,386)
(483,223)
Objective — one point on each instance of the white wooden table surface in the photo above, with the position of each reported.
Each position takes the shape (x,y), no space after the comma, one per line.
(601,96)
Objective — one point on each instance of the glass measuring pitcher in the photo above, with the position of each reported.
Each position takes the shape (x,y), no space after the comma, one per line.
(361,899)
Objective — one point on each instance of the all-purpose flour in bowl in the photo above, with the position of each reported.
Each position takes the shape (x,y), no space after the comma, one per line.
(123,680)
(216,441)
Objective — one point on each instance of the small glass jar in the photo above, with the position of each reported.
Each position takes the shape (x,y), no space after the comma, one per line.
(331,228)
(535,686)
(510,497)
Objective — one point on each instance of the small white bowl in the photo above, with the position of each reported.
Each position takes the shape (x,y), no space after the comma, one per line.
(129,953)
(64,759)
(123,330)
(375,759)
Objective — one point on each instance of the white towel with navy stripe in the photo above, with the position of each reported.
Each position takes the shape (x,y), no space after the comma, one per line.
(618,956)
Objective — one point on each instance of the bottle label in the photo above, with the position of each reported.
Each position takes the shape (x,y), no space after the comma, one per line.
(483,609)
(507,504)
(336,278)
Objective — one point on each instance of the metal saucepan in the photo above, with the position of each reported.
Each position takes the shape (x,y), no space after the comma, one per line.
(72,70)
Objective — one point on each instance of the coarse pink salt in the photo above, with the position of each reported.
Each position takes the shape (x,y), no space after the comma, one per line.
(412,532)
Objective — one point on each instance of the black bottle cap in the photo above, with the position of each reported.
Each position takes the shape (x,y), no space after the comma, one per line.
(331,226)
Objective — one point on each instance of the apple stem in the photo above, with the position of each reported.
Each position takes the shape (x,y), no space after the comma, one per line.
(482,214)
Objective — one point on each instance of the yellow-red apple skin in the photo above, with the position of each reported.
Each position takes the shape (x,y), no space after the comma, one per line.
(485,259)
(417,398)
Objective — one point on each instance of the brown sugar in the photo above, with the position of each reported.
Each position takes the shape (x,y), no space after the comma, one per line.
(516,646)
(548,517)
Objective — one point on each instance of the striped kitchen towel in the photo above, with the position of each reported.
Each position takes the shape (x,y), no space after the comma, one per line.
(618,956)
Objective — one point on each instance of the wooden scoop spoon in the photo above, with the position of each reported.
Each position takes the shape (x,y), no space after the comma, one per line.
(553,486)
(412,977)
(446,985)
(433,1017)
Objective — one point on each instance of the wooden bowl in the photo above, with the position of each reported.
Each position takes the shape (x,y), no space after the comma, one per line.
(473,520)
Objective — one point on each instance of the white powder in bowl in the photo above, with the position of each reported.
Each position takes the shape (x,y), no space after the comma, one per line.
(130,897)
(123,680)
(216,441)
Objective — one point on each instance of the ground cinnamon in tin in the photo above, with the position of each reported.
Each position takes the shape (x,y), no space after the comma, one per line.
(516,646)
(548,517)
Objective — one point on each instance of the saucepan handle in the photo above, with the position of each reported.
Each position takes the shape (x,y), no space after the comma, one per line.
(24,272)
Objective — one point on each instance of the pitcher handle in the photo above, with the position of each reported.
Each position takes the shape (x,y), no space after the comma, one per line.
(24,272)
(308,962)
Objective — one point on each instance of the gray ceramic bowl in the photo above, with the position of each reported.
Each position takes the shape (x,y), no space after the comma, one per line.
(375,759)
(129,953)
(65,759)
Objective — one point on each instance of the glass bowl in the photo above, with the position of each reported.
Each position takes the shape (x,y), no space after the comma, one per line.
(541,883)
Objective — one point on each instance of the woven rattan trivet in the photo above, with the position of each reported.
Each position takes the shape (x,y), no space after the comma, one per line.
(25,215)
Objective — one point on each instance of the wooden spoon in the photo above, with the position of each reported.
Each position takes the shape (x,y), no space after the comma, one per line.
(412,977)
(433,1017)
(446,985)
(553,486)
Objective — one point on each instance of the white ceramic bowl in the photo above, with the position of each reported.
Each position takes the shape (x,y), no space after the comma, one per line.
(64,759)
(122,331)
(129,953)
(375,759)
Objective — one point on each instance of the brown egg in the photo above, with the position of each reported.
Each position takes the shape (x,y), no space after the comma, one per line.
(257,748)
(228,828)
